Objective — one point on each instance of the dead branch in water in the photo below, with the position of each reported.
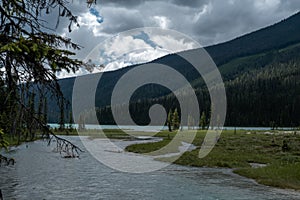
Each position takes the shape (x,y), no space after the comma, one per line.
(63,146)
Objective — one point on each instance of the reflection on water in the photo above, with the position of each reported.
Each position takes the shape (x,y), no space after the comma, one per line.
(41,174)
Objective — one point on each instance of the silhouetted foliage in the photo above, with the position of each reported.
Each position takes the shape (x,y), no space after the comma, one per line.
(30,56)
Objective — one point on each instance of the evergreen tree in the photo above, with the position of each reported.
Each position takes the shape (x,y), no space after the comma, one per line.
(71,121)
(3,142)
(212,110)
(45,111)
(81,123)
(175,120)
(30,57)
(32,115)
(40,110)
(191,122)
(203,121)
(170,116)
(62,116)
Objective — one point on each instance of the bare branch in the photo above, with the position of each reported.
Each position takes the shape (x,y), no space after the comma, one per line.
(63,146)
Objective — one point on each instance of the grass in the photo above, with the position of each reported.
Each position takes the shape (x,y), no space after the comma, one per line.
(278,175)
(238,150)
(110,133)
(233,150)
(105,133)
(13,141)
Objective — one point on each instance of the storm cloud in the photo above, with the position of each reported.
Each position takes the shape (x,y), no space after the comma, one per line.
(206,21)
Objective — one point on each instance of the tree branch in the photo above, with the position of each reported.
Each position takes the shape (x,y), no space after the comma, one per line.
(63,146)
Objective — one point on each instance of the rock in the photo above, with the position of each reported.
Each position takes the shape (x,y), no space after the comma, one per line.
(257,165)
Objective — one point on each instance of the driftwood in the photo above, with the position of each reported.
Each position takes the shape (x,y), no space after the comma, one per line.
(66,148)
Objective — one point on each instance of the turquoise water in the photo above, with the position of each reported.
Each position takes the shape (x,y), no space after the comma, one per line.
(42,174)
(157,128)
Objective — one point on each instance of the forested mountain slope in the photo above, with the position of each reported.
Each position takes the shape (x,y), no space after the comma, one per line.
(260,72)
(265,92)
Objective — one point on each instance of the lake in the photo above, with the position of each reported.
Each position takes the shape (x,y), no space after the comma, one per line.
(158,128)
(42,174)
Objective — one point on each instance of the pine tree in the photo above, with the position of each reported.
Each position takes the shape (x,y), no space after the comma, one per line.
(175,120)
(81,123)
(170,116)
(31,54)
(191,122)
(32,115)
(214,122)
(62,116)
(3,142)
(71,121)
(40,110)
(45,111)
(203,121)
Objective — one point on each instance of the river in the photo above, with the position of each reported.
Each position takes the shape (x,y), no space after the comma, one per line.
(42,174)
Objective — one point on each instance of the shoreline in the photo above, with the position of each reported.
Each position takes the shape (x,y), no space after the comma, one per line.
(255,155)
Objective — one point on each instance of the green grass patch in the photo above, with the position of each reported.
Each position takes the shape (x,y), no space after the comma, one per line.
(238,150)
(277,175)
(148,147)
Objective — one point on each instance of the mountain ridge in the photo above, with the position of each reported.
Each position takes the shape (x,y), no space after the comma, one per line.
(266,41)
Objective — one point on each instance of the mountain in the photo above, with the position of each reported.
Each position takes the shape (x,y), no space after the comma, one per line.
(252,63)
(277,36)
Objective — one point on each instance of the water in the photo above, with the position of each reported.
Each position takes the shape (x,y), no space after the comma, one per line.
(42,174)
(158,128)
(124,127)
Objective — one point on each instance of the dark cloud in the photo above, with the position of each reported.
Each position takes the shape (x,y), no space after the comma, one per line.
(190,3)
(207,21)
(135,3)
(122,2)
(230,19)
(120,19)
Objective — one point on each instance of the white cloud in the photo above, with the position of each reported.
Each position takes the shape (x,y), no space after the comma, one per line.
(207,21)
(206,9)
(136,57)
(267,4)
(87,20)
(115,20)
(136,47)
(162,21)
(174,43)
(65,74)
(121,45)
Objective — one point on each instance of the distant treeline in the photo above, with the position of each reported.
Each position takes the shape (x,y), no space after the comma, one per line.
(262,90)
(264,93)
(260,71)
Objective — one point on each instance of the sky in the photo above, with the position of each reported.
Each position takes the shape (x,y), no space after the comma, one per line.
(206,21)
